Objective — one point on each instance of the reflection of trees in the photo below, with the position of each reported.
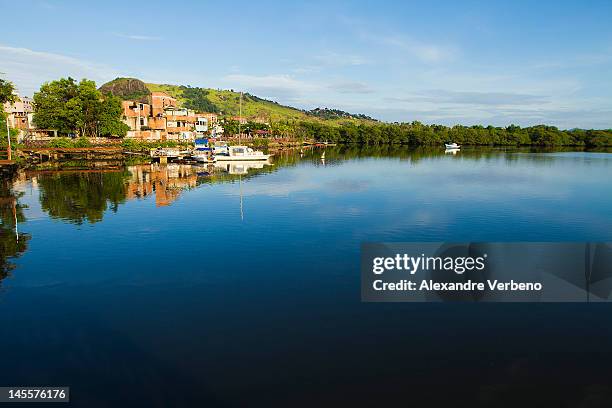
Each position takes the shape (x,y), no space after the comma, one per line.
(78,196)
(11,212)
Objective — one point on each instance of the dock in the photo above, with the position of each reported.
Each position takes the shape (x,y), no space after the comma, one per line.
(55,153)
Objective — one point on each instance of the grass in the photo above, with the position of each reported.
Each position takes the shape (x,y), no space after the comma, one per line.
(228,103)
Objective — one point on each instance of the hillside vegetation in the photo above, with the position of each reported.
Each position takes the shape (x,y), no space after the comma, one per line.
(334,125)
(127,89)
(227,102)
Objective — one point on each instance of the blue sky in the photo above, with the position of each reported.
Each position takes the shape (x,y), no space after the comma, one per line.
(447,62)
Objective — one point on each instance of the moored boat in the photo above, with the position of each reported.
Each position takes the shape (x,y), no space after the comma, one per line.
(452,146)
(242,153)
(202,152)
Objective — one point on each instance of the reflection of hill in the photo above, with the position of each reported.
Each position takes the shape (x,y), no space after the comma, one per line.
(12,244)
(165,181)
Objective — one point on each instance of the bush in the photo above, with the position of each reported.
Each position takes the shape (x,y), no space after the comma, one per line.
(61,142)
(82,142)
(134,145)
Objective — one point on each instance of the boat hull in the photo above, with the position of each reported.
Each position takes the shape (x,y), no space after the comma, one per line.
(243,158)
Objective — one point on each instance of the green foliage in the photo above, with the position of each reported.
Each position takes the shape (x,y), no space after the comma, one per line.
(326,113)
(134,145)
(109,114)
(82,142)
(14,132)
(260,142)
(196,99)
(10,211)
(61,142)
(227,103)
(65,142)
(7,90)
(78,197)
(78,108)
(230,127)
(418,134)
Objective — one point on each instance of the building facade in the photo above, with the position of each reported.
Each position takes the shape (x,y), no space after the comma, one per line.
(162,119)
(20,113)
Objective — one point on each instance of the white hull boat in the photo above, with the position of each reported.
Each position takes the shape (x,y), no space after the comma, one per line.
(452,146)
(243,153)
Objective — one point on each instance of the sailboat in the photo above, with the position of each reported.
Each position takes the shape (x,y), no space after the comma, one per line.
(242,152)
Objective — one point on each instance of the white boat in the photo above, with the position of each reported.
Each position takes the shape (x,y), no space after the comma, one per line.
(202,152)
(242,153)
(220,147)
(452,146)
(202,157)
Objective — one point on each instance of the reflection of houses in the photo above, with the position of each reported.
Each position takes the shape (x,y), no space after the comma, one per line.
(163,119)
(166,182)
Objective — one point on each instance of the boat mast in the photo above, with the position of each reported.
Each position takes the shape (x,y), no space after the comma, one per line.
(240,118)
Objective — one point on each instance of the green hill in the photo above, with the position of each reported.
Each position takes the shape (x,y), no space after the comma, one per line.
(127,89)
(227,103)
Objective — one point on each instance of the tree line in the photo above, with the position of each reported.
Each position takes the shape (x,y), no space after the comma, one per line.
(419,134)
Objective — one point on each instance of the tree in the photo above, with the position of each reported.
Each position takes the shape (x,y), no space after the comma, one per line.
(110,111)
(79,109)
(197,99)
(7,92)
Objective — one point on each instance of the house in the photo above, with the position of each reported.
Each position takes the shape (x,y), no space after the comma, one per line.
(136,114)
(20,113)
(163,119)
(161,101)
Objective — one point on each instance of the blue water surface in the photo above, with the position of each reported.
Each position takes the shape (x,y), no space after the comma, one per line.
(188,289)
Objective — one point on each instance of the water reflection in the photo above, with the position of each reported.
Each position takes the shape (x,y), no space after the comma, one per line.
(12,243)
(242,167)
(84,196)
(81,196)
(165,181)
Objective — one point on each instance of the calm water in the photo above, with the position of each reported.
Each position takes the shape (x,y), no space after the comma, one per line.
(166,286)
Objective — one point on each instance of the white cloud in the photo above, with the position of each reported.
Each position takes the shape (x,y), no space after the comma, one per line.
(338,60)
(270,86)
(28,69)
(138,37)
(441,96)
(351,88)
(424,52)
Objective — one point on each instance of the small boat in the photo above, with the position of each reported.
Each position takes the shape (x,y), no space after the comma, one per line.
(221,147)
(202,152)
(452,146)
(242,153)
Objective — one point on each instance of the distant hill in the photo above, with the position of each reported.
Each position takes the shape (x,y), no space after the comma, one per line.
(127,89)
(326,113)
(226,102)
